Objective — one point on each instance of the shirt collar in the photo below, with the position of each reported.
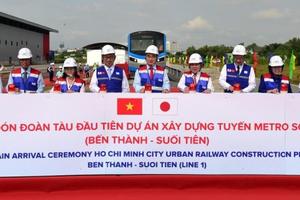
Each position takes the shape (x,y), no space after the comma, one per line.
(154,67)
(28,70)
(239,65)
(112,68)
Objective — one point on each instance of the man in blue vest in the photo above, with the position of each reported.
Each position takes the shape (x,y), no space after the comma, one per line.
(275,82)
(237,75)
(151,75)
(26,79)
(195,80)
(109,76)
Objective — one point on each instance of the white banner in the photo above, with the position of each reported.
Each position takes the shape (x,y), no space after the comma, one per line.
(78,134)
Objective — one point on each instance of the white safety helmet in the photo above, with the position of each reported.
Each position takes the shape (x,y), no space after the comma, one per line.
(195,58)
(52,63)
(276,61)
(70,62)
(239,50)
(60,67)
(107,49)
(24,53)
(152,49)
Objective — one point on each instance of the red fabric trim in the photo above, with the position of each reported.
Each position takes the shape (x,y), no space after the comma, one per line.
(268,75)
(285,78)
(35,71)
(152,187)
(203,74)
(16,70)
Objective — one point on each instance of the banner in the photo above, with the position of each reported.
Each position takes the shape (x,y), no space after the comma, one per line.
(82,134)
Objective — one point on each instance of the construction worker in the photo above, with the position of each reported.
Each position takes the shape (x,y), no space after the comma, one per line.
(195,80)
(70,82)
(237,76)
(109,77)
(26,79)
(59,72)
(151,76)
(274,81)
(50,71)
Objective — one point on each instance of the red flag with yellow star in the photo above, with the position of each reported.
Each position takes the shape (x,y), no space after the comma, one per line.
(129,106)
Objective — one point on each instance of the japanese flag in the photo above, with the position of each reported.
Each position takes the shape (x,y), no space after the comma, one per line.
(164,106)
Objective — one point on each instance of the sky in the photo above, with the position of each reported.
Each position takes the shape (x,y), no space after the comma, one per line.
(186,22)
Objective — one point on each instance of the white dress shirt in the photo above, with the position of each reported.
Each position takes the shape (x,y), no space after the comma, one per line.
(225,85)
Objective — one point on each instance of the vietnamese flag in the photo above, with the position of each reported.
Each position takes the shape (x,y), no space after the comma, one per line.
(129,106)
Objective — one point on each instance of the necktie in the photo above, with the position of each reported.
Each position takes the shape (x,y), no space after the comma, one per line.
(194,78)
(25,80)
(109,72)
(25,77)
(238,69)
(151,73)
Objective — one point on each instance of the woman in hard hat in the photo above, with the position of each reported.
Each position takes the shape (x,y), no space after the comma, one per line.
(109,77)
(25,79)
(237,76)
(274,81)
(70,81)
(195,80)
(151,76)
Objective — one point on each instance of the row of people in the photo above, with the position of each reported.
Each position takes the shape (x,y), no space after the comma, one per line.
(108,77)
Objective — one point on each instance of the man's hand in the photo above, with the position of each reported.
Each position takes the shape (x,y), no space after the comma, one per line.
(186,90)
(273,91)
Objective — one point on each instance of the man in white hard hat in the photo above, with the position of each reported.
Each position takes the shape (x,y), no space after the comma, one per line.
(25,78)
(109,76)
(274,81)
(151,75)
(195,80)
(238,74)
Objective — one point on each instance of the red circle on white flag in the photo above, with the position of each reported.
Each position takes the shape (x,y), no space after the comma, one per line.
(165,106)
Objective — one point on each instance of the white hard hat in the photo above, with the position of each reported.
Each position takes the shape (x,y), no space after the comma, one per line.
(60,67)
(152,49)
(24,53)
(276,61)
(52,63)
(239,50)
(70,62)
(107,49)
(195,58)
